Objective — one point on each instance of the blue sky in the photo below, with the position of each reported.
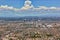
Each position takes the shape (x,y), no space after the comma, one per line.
(36,3)
(16,8)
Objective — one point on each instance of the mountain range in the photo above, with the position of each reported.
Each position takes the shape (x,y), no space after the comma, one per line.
(30,15)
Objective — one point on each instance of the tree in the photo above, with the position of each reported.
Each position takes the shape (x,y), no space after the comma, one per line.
(10,39)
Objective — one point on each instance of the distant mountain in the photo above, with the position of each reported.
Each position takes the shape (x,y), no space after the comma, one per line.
(10,15)
(30,18)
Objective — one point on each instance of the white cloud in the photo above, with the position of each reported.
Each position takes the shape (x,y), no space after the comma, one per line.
(29,9)
(43,7)
(27,5)
(52,8)
(8,7)
(47,8)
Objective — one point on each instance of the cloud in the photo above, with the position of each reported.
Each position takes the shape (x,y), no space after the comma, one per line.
(27,10)
(8,7)
(40,8)
(27,5)
(43,7)
(53,8)
(46,8)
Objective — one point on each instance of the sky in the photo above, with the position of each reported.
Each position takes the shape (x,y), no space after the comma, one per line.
(19,8)
(36,3)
